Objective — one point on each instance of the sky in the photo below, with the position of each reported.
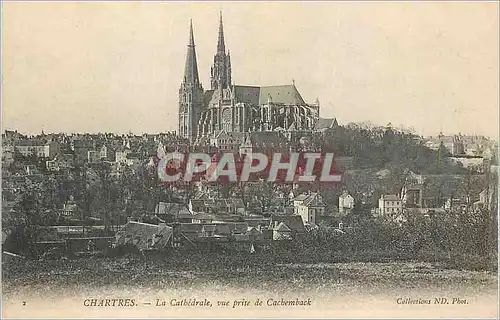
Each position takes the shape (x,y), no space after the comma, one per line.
(117,66)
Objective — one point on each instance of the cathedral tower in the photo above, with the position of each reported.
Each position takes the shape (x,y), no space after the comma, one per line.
(221,69)
(190,94)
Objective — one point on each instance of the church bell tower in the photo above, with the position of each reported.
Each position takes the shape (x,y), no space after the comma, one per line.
(221,69)
(190,93)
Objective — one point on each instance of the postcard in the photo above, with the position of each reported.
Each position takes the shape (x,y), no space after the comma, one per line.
(250,159)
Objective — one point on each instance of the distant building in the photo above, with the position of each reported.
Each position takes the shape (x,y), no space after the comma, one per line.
(282,232)
(121,155)
(31,170)
(346,203)
(285,226)
(81,147)
(107,153)
(37,148)
(457,146)
(60,162)
(236,108)
(309,206)
(228,141)
(93,156)
(171,208)
(488,199)
(454,203)
(325,124)
(70,209)
(390,205)
(7,155)
(145,236)
(413,196)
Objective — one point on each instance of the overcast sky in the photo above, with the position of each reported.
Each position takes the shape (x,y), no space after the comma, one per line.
(117,67)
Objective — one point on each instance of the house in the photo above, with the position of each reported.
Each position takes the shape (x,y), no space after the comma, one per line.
(346,203)
(172,211)
(294,222)
(246,147)
(454,203)
(144,236)
(81,147)
(254,206)
(198,205)
(171,208)
(277,205)
(70,209)
(93,156)
(121,155)
(325,124)
(413,196)
(390,205)
(133,160)
(223,206)
(7,155)
(282,232)
(60,162)
(228,141)
(487,199)
(254,234)
(31,170)
(309,206)
(107,153)
(40,149)
(263,141)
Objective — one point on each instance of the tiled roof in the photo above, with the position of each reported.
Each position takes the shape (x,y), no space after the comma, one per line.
(294,222)
(142,234)
(282,227)
(171,208)
(208,96)
(285,94)
(315,200)
(325,123)
(247,94)
(391,197)
(301,197)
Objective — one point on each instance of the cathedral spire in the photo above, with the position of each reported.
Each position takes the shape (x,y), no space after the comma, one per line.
(221,46)
(221,70)
(190,93)
(191,69)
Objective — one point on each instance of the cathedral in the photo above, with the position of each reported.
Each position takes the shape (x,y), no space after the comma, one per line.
(236,108)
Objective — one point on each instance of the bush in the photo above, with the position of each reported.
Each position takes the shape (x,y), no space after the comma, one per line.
(123,250)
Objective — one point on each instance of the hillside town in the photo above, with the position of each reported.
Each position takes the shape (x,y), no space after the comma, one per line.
(90,192)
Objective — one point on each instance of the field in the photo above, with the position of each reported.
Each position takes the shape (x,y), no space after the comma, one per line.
(240,275)
(238,271)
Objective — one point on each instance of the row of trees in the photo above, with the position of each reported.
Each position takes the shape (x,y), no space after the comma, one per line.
(385,147)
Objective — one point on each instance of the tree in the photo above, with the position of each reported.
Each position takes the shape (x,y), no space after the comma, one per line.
(32,212)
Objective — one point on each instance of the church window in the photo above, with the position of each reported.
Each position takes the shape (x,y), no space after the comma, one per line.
(226,119)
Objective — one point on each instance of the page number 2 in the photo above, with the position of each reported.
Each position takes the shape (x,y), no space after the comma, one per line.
(24,303)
